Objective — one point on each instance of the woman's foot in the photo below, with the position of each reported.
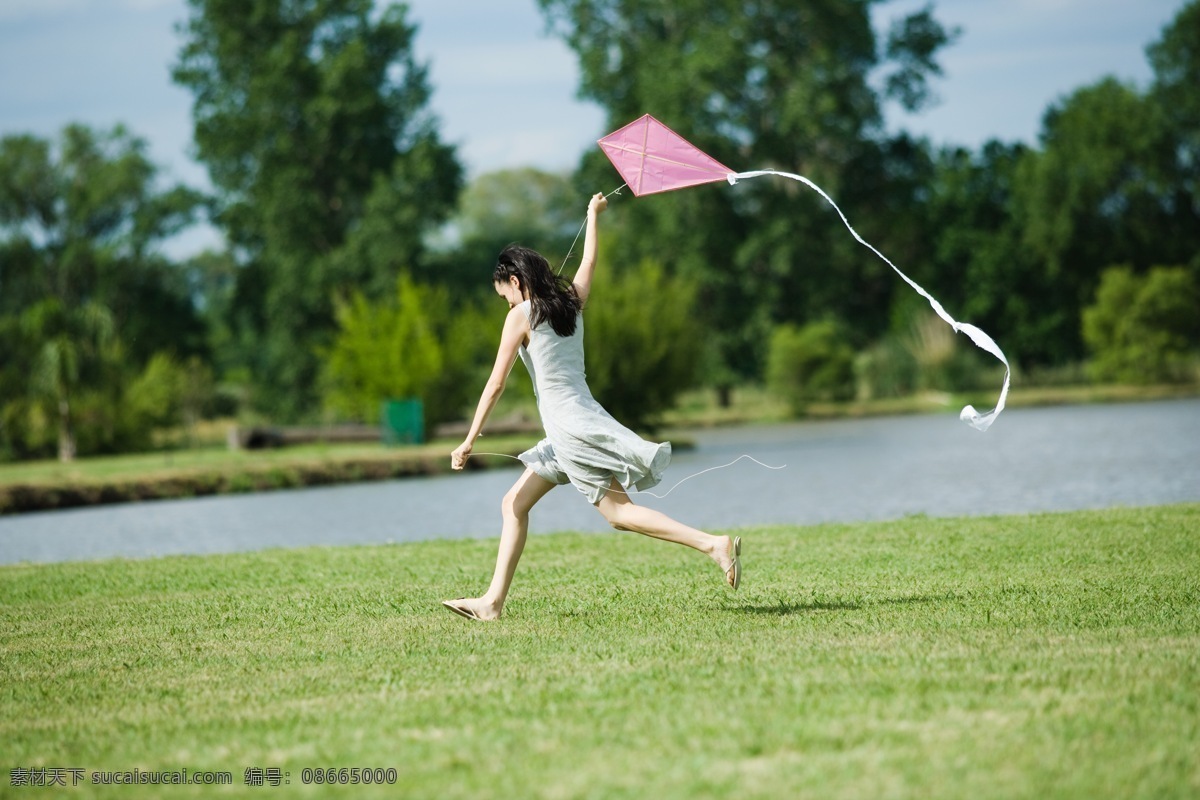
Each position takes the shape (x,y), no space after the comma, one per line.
(475,608)
(727,554)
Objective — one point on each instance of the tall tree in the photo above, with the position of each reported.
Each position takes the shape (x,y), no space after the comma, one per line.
(311,118)
(1112,184)
(1175,58)
(81,221)
(1115,181)
(783,84)
(1029,232)
(524,205)
(70,352)
(973,253)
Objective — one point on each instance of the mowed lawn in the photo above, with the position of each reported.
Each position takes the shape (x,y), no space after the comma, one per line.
(1027,656)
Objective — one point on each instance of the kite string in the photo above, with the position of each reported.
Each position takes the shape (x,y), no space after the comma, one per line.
(969,415)
(652,494)
(578,233)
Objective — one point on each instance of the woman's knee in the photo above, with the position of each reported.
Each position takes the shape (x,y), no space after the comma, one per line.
(617,525)
(513,506)
(614,513)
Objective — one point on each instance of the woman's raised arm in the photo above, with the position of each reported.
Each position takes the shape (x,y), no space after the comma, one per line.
(587,264)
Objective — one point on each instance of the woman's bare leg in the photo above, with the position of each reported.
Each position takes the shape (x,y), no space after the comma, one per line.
(524,494)
(625,515)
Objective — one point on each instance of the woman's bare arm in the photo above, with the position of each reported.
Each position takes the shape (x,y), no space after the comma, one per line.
(516,331)
(587,264)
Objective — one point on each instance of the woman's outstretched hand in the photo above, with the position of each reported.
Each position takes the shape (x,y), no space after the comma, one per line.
(458,459)
(598,203)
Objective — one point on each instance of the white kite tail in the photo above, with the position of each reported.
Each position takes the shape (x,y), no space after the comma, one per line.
(969,415)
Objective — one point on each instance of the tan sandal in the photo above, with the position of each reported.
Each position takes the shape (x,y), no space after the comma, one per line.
(733,575)
(462,612)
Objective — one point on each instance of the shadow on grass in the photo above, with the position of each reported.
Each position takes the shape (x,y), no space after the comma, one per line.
(785,608)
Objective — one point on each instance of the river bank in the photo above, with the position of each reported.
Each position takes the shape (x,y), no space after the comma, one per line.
(42,486)
(215,470)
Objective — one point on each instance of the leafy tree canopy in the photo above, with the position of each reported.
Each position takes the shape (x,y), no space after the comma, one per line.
(85,296)
(770,84)
(311,118)
(539,209)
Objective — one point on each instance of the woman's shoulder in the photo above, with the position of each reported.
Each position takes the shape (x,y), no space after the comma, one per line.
(516,324)
(521,312)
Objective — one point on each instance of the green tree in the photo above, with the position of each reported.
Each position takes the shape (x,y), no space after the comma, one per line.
(644,342)
(212,278)
(973,259)
(70,347)
(311,118)
(1017,237)
(772,84)
(85,293)
(809,364)
(1093,195)
(82,219)
(383,350)
(1117,180)
(1143,328)
(171,393)
(525,205)
(1175,58)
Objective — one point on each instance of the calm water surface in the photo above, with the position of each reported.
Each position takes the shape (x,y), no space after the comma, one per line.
(1047,459)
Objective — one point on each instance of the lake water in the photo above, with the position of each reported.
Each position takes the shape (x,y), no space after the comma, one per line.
(1045,459)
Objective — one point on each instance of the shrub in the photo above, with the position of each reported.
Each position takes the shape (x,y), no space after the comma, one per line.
(382,350)
(1143,328)
(421,342)
(156,396)
(887,369)
(944,362)
(809,364)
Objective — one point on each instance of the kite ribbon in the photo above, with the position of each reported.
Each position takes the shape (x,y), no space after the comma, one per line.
(968,415)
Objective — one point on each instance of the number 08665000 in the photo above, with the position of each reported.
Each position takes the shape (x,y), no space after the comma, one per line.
(348,775)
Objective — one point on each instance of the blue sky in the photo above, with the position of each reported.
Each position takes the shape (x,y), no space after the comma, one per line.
(506,93)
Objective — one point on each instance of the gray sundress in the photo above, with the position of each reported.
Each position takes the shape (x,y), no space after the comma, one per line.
(584,444)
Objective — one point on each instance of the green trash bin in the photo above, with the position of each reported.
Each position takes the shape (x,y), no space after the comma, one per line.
(403,421)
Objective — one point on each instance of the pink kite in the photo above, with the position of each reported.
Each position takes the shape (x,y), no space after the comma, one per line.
(653,158)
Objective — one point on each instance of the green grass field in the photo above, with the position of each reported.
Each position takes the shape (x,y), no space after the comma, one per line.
(1025,656)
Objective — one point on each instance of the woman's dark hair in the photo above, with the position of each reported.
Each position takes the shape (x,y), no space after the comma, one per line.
(551,297)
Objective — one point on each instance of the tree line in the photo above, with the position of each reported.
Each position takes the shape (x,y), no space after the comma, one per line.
(357,256)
